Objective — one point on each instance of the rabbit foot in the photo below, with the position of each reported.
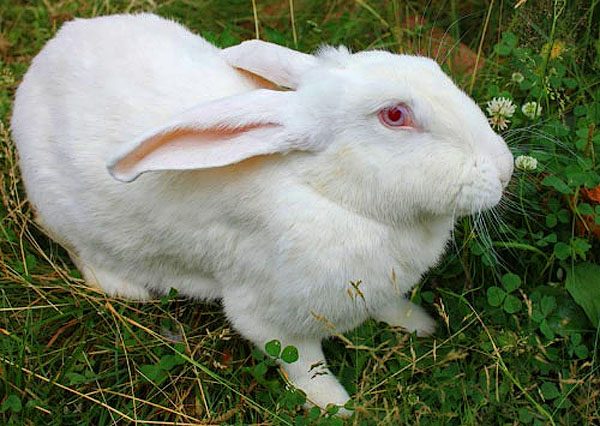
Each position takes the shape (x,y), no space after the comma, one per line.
(311,375)
(110,283)
(323,392)
(407,315)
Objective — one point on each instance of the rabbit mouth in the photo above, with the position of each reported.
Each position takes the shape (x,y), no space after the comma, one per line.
(473,199)
(482,186)
(478,195)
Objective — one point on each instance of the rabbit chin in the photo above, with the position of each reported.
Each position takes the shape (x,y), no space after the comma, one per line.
(477,197)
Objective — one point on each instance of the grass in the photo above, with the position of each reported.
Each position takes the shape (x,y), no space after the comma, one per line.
(515,343)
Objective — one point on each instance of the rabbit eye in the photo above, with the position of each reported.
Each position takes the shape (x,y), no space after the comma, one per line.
(396,116)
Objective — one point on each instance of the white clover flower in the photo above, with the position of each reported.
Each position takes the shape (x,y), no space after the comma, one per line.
(500,110)
(517,77)
(531,110)
(498,122)
(526,163)
(501,106)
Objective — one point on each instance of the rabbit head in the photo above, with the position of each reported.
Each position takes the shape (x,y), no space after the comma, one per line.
(388,136)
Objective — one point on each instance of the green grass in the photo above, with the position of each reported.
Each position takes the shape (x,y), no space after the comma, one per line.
(515,343)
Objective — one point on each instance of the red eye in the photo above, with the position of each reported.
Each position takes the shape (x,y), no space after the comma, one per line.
(396,116)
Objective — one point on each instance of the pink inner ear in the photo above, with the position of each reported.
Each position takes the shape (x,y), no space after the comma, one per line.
(280,65)
(258,80)
(187,148)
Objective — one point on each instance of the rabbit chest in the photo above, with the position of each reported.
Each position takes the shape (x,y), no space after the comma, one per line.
(315,265)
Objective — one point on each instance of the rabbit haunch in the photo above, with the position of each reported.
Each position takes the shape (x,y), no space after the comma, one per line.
(332,198)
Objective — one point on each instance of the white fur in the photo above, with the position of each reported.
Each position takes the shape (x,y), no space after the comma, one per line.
(280,238)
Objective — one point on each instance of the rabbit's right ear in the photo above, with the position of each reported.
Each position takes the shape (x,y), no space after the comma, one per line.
(275,63)
(216,134)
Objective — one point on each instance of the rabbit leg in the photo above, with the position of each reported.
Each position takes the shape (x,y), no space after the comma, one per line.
(311,375)
(405,314)
(108,282)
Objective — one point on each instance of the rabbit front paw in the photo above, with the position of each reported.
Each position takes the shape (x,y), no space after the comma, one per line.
(322,391)
(311,375)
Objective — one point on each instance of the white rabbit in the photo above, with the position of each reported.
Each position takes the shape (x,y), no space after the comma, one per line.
(306,211)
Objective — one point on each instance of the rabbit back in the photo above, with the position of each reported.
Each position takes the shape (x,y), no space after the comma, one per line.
(95,86)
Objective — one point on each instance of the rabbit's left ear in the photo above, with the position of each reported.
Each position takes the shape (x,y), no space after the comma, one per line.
(216,134)
(272,62)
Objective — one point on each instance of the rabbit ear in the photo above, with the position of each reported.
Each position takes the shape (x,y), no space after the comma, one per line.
(275,63)
(214,134)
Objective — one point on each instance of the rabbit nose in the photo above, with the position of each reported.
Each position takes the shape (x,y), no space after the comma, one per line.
(495,150)
(504,162)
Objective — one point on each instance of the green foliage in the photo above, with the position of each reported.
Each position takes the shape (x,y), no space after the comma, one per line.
(159,371)
(273,348)
(289,354)
(11,403)
(583,283)
(499,297)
